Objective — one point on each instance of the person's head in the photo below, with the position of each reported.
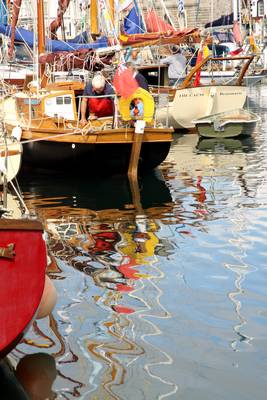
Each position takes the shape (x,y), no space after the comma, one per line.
(176,49)
(134,54)
(131,66)
(98,83)
(36,373)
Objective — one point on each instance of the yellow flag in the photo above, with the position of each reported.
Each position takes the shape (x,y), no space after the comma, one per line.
(206,51)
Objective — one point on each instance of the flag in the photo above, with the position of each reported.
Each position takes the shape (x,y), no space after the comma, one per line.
(101,4)
(199,59)
(124,82)
(237,33)
(132,22)
(206,51)
(180,6)
(253,46)
(236,51)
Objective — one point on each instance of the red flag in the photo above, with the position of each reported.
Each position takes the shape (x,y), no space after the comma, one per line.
(199,59)
(236,51)
(237,33)
(124,82)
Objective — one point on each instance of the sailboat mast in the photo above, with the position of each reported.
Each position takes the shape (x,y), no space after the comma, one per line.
(235,9)
(94,17)
(112,12)
(41,37)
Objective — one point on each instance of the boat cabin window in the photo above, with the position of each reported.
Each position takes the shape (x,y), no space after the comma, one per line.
(64,100)
(59,100)
(60,106)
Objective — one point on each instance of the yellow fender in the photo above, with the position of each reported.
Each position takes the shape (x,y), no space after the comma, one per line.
(147,99)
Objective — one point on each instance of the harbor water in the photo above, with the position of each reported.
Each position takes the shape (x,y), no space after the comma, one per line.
(161,287)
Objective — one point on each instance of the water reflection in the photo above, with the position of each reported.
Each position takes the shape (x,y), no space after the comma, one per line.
(243,144)
(59,191)
(161,285)
(32,378)
(118,249)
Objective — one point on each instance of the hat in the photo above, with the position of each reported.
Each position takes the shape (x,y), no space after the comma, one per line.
(98,82)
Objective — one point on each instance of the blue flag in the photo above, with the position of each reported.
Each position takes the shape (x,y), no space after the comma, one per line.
(180,6)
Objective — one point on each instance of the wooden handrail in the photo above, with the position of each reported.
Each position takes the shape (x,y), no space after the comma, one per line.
(244,70)
(199,66)
(194,70)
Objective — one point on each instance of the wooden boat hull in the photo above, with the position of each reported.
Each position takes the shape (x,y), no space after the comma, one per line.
(196,102)
(59,143)
(22,278)
(92,159)
(100,151)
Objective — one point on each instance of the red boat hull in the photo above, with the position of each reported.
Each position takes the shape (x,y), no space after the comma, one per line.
(22,278)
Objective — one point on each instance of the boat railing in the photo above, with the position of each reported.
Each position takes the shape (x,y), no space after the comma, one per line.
(162,97)
(160,100)
(111,96)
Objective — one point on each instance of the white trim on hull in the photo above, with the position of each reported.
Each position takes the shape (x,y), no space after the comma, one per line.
(197,102)
(10,158)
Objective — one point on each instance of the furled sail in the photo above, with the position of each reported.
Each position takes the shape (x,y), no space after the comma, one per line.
(23,35)
(154,23)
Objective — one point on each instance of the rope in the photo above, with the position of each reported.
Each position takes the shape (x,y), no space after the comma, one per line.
(81,131)
(19,195)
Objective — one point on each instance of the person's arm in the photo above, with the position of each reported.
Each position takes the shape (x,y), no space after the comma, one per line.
(83,120)
(84,105)
(166,60)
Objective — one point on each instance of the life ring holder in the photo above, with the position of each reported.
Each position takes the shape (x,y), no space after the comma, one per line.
(148,102)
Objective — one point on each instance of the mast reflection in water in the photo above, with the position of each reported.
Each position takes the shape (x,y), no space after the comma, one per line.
(162,291)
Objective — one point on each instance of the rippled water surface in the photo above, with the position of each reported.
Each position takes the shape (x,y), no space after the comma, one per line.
(162,295)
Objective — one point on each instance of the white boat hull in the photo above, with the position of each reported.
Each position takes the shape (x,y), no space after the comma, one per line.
(10,159)
(197,102)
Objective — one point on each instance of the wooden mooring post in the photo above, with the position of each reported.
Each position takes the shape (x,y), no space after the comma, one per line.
(136,149)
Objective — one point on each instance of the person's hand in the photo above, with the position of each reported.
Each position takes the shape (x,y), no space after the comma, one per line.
(83,122)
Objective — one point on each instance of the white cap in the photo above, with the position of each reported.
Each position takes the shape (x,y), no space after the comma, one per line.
(98,82)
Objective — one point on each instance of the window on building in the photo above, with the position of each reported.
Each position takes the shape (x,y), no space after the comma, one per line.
(260,8)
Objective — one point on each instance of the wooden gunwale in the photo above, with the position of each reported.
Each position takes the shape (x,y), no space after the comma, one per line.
(20,224)
(4,153)
(120,135)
